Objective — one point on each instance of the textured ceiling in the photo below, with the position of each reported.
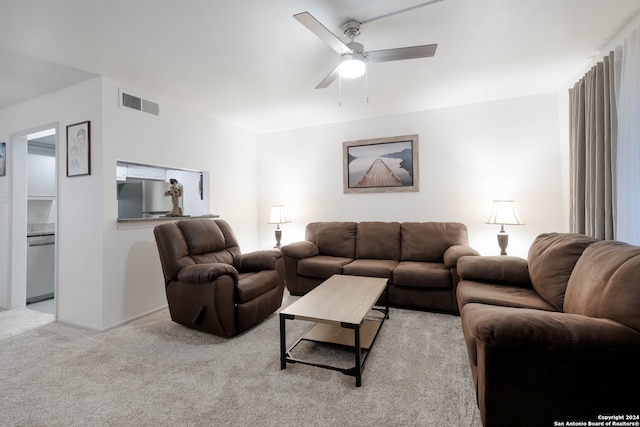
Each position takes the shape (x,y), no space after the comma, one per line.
(248,62)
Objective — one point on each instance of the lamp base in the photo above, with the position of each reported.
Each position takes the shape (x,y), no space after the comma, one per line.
(503,241)
(278,237)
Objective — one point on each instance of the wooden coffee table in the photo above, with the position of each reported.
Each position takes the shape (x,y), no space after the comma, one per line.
(341,308)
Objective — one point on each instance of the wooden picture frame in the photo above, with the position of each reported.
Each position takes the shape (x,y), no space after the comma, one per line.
(79,149)
(381,165)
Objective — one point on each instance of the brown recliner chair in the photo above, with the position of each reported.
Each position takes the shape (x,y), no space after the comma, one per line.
(210,285)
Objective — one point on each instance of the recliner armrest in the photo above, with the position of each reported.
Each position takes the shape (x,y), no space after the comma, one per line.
(258,260)
(304,249)
(203,273)
(501,270)
(455,252)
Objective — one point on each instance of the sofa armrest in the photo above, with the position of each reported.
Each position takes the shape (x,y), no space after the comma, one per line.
(547,330)
(299,250)
(501,270)
(541,366)
(455,252)
(203,273)
(258,260)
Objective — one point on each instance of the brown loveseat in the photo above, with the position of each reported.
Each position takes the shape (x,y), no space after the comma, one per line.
(556,337)
(419,258)
(210,285)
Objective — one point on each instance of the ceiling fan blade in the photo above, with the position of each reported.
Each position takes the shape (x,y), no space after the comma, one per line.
(321,31)
(412,52)
(329,79)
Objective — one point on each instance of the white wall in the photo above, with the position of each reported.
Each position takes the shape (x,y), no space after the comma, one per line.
(468,156)
(107,275)
(79,240)
(180,138)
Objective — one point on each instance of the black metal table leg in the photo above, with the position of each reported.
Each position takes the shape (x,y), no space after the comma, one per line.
(358,352)
(283,343)
(386,300)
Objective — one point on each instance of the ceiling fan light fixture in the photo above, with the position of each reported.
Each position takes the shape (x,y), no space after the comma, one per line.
(353,57)
(352,65)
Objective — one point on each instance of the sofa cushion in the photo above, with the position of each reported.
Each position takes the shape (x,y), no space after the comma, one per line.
(422,275)
(370,267)
(378,240)
(333,238)
(551,259)
(604,283)
(322,266)
(501,295)
(427,241)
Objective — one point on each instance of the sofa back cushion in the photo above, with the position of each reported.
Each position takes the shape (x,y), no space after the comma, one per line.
(378,240)
(209,241)
(427,241)
(333,238)
(605,284)
(194,241)
(552,257)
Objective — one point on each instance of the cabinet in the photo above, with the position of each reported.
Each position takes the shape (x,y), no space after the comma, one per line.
(121,172)
(156,173)
(145,172)
(41,177)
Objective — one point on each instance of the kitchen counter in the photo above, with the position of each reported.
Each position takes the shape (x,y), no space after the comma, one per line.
(142,221)
(40,229)
(40,233)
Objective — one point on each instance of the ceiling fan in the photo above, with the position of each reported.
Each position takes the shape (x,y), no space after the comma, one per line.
(352,54)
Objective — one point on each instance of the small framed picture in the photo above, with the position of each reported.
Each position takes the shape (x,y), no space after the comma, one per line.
(381,165)
(79,149)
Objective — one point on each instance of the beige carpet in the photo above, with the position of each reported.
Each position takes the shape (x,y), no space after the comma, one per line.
(153,372)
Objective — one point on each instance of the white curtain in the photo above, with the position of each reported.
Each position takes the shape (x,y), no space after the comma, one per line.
(593,125)
(628,170)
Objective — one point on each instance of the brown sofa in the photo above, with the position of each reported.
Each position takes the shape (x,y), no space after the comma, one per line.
(556,337)
(419,258)
(210,285)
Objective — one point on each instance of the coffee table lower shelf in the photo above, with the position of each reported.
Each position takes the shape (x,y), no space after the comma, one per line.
(359,337)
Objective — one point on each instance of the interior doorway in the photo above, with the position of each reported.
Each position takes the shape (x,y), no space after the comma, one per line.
(34,211)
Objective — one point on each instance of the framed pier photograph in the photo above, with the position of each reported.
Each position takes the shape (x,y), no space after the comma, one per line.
(381,165)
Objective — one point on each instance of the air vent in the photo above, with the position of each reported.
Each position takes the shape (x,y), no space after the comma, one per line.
(138,103)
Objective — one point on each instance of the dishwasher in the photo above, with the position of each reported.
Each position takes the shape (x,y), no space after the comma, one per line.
(40,267)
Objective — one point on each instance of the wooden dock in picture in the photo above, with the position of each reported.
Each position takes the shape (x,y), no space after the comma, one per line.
(379,175)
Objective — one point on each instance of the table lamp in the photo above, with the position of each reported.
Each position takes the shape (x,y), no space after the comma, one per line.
(279,216)
(504,213)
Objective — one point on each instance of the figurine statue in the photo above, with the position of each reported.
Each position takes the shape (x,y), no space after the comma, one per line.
(175,191)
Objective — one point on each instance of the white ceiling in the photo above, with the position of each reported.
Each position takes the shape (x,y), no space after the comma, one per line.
(248,62)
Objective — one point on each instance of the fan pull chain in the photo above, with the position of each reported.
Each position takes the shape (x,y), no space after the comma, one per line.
(366,85)
(339,90)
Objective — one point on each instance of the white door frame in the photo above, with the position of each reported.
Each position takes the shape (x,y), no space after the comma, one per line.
(17,288)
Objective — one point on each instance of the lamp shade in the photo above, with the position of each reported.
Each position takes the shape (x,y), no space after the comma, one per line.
(504,213)
(279,215)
